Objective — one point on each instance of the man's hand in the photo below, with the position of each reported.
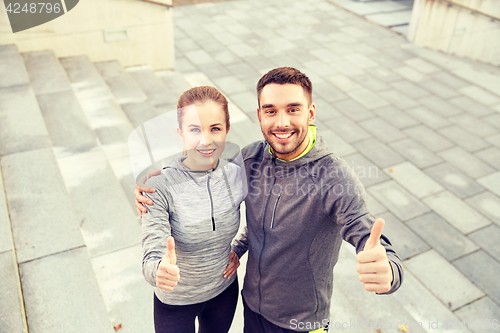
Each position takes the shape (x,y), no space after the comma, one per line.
(373,266)
(140,187)
(167,274)
(232,266)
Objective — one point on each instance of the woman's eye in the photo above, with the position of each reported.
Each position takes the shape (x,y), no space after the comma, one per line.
(216,129)
(195,129)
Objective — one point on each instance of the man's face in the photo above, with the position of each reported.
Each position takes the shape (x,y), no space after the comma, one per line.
(285,116)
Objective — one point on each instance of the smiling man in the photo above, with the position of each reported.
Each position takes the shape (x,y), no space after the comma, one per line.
(302,201)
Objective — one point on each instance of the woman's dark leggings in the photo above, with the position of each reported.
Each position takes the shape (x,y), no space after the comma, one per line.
(214,315)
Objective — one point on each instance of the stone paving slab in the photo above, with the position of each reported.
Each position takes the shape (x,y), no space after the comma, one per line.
(488,238)
(38,194)
(415,153)
(491,182)
(67,283)
(439,89)
(443,238)
(45,72)
(382,130)
(364,306)
(440,106)
(480,314)
(490,156)
(401,203)
(395,117)
(429,118)
(464,138)
(443,279)
(353,110)
(21,124)
(470,106)
(456,212)
(335,143)
(466,162)
(128,297)
(347,130)
(474,125)
(398,99)
(377,152)
(488,204)
(367,98)
(366,171)
(406,243)
(69,129)
(480,95)
(428,138)
(483,271)
(105,230)
(12,67)
(454,180)
(413,179)
(415,298)
(12,316)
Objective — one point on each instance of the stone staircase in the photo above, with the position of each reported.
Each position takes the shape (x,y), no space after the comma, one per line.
(70,238)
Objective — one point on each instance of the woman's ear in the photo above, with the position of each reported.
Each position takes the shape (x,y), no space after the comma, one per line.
(179,131)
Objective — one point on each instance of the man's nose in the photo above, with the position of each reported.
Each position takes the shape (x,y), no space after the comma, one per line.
(283,120)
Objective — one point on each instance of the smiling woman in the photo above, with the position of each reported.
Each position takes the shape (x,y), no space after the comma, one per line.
(188,230)
(203,118)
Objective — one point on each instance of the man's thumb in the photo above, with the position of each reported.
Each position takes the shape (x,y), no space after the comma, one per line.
(171,250)
(375,234)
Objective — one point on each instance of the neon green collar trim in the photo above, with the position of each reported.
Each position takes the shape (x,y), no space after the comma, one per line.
(312,141)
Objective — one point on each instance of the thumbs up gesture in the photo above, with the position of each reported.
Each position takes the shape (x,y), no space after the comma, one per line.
(167,274)
(373,266)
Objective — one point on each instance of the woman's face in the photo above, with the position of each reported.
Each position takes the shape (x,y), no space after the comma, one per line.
(204,134)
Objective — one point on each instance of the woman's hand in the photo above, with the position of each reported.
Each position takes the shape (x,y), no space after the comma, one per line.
(232,266)
(140,187)
(167,274)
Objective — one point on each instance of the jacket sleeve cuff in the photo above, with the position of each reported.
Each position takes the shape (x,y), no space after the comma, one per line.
(397,277)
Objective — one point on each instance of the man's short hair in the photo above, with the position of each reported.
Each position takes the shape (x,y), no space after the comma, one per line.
(284,75)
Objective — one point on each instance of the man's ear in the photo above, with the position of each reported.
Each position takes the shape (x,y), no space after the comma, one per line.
(258,114)
(312,113)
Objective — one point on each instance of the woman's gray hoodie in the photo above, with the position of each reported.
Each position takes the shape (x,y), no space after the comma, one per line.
(201,210)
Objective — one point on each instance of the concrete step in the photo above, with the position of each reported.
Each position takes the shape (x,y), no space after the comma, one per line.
(12,67)
(12,315)
(153,87)
(116,226)
(21,124)
(45,72)
(105,115)
(62,295)
(41,213)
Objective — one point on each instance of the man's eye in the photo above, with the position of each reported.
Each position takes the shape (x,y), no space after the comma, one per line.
(294,110)
(269,111)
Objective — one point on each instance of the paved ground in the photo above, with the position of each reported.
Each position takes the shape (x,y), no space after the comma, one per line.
(420,128)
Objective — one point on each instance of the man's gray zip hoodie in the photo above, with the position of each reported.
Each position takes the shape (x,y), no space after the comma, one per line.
(297,214)
(201,210)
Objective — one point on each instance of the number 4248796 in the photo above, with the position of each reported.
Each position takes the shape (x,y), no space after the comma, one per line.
(34,8)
